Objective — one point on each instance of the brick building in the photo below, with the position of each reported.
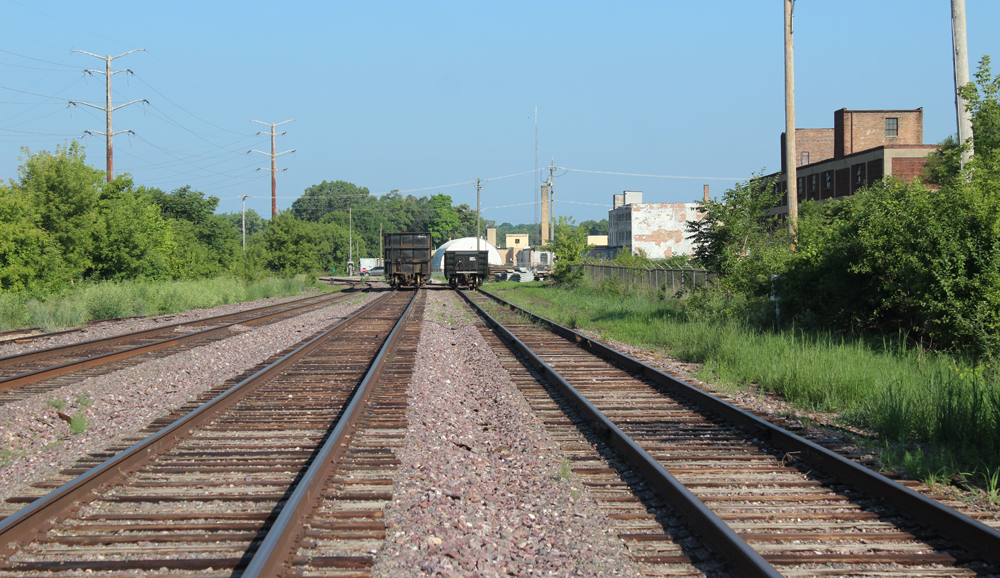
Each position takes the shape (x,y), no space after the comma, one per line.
(658,229)
(862,147)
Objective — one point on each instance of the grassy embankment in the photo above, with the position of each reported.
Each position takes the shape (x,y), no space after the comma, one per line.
(106,300)
(933,415)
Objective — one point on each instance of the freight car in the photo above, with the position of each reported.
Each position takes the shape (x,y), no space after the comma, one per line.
(407,258)
(466,268)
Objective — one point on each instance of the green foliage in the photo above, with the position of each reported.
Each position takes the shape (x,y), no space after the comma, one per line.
(136,240)
(254,222)
(568,247)
(64,193)
(78,423)
(738,240)
(327,197)
(445,223)
(29,257)
(293,246)
(943,164)
(983,101)
(901,256)
(204,244)
(595,227)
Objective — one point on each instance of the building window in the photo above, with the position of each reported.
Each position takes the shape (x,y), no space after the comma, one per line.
(892,127)
(827,180)
(859,174)
(805,158)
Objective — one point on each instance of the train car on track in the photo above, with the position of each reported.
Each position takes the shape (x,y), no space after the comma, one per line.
(407,259)
(466,268)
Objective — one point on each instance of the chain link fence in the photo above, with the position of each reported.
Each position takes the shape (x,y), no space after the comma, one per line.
(674,281)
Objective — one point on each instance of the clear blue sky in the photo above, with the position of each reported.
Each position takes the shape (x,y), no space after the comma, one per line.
(408,95)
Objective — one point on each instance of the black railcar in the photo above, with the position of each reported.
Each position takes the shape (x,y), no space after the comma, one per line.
(466,268)
(407,258)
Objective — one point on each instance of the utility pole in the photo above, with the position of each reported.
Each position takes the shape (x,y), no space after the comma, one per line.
(107,108)
(960,54)
(479,188)
(792,175)
(244,211)
(273,169)
(552,170)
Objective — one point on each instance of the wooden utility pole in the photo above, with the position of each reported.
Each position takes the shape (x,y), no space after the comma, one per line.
(107,108)
(960,54)
(479,188)
(244,211)
(552,194)
(273,169)
(791,174)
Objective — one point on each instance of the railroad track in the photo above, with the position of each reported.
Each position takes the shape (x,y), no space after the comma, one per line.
(38,371)
(296,455)
(696,485)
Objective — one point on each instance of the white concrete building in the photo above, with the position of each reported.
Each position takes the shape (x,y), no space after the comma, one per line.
(658,229)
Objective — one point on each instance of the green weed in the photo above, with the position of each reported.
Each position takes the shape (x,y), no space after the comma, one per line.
(78,423)
(83,400)
(57,403)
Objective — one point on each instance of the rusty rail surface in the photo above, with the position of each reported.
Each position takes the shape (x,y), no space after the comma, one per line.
(653,454)
(340,356)
(24,368)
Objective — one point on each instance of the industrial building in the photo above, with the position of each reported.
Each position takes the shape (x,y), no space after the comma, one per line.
(657,229)
(862,147)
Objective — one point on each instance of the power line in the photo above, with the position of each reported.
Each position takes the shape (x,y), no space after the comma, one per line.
(653,176)
(68,66)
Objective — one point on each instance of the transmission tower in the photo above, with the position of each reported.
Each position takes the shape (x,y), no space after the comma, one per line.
(107,108)
(273,169)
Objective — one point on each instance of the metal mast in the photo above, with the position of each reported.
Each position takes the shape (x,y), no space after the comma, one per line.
(107,108)
(273,169)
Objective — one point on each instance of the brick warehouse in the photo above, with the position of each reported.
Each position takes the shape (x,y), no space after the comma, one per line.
(861,148)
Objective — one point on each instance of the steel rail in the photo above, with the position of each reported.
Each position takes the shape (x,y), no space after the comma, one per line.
(44,512)
(745,561)
(279,546)
(71,347)
(963,530)
(50,372)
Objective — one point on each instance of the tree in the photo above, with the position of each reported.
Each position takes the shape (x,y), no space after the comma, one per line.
(136,239)
(64,192)
(444,223)
(255,223)
(983,101)
(319,200)
(28,255)
(193,220)
(569,245)
(738,239)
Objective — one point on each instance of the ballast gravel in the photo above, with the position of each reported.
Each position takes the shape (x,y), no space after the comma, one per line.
(102,329)
(35,442)
(482,490)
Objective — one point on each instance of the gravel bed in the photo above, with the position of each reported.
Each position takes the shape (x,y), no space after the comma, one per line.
(36,442)
(118,327)
(482,490)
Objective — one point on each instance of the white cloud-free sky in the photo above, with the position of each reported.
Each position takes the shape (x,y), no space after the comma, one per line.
(411,95)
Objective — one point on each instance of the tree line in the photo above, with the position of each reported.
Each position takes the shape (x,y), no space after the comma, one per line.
(62,224)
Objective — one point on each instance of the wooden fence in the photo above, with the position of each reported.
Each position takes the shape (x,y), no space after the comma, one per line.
(673,280)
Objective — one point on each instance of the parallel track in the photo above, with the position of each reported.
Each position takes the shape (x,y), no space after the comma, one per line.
(768,502)
(206,493)
(34,372)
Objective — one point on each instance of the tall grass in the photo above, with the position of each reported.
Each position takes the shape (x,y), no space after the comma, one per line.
(108,300)
(902,393)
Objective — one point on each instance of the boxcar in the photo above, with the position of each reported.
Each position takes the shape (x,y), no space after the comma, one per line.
(407,258)
(466,268)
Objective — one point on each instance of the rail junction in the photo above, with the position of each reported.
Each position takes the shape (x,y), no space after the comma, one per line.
(290,471)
